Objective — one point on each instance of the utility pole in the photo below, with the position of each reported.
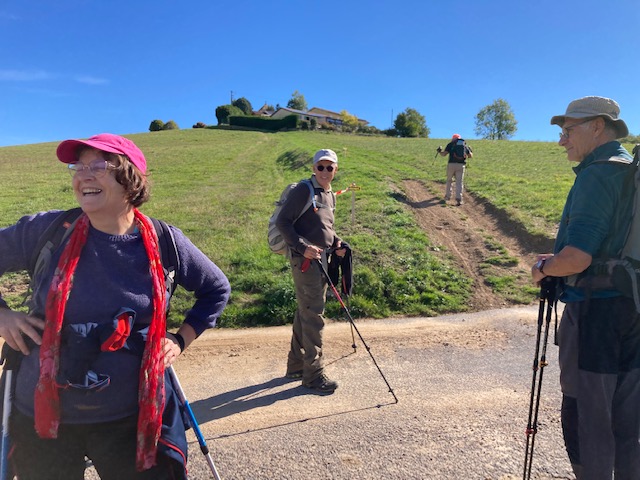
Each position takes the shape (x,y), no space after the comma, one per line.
(231,98)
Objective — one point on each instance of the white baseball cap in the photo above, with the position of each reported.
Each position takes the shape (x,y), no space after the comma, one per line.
(325,154)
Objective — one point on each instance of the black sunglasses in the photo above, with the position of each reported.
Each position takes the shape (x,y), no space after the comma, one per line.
(322,167)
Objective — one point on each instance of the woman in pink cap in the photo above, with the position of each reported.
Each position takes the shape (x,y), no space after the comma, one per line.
(94,347)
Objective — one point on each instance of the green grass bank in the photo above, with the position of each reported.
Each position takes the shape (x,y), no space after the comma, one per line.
(219,186)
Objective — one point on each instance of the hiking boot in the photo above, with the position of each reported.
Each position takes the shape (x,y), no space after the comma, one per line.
(294,375)
(321,385)
(459,202)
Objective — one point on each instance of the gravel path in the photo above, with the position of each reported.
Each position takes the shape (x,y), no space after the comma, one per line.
(463,384)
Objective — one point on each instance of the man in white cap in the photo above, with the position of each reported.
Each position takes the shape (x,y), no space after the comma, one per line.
(599,335)
(309,237)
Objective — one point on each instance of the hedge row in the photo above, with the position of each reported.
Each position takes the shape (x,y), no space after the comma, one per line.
(263,123)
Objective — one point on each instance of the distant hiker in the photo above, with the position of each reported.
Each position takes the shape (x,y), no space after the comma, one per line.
(458,152)
(309,238)
(91,381)
(599,335)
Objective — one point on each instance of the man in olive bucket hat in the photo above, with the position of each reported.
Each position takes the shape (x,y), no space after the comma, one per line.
(599,335)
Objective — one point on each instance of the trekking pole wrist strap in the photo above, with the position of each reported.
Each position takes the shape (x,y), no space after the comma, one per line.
(180,339)
(540,265)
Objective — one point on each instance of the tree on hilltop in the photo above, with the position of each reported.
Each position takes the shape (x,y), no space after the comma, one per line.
(244,105)
(349,122)
(411,124)
(496,121)
(297,102)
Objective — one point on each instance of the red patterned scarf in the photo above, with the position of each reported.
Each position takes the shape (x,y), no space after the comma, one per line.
(151,383)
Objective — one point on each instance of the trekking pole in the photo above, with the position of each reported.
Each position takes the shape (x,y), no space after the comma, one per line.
(547,296)
(353,337)
(353,325)
(10,361)
(438,150)
(194,423)
(6,411)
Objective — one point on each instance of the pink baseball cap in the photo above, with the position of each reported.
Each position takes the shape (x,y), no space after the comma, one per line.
(107,142)
(455,136)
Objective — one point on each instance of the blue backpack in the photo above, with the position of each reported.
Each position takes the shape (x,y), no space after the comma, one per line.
(459,150)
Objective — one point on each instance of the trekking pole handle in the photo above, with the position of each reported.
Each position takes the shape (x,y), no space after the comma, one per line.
(548,289)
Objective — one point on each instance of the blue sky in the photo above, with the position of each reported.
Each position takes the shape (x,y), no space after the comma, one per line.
(74,68)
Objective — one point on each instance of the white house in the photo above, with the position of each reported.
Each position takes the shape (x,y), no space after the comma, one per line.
(321,115)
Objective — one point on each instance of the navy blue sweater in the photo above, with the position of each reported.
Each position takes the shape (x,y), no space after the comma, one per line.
(113,273)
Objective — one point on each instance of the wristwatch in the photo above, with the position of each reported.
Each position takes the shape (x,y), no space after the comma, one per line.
(540,265)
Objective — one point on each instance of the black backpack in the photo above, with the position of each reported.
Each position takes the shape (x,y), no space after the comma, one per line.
(63,225)
(459,150)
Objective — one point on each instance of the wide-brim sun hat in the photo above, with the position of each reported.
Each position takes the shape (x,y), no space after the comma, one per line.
(325,154)
(586,107)
(107,142)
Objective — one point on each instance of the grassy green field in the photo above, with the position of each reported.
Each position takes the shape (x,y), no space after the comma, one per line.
(219,186)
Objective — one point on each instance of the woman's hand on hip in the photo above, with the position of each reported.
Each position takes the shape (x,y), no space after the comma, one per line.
(16,326)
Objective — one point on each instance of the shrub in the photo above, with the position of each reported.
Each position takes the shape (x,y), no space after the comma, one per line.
(200,125)
(313,123)
(156,126)
(327,126)
(369,130)
(223,112)
(244,105)
(171,125)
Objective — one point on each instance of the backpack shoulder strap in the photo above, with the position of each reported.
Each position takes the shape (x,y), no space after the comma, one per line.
(629,189)
(311,201)
(168,252)
(615,160)
(312,195)
(53,236)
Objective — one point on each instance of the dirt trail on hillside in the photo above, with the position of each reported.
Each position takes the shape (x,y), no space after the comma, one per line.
(472,234)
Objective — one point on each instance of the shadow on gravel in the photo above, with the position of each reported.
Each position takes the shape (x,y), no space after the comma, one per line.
(245,398)
(302,420)
(250,397)
(256,396)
